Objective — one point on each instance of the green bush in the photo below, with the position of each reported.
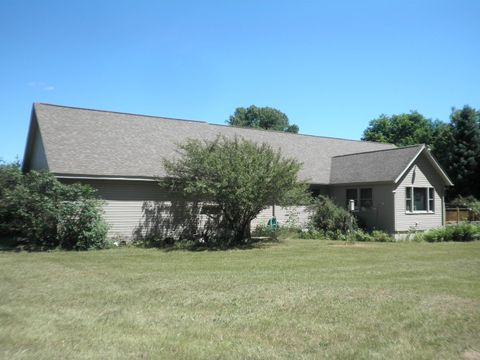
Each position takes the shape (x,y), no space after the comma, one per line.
(381,236)
(266,231)
(288,231)
(460,232)
(45,213)
(81,225)
(312,234)
(359,235)
(328,217)
(355,235)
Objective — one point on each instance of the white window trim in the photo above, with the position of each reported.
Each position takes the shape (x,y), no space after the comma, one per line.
(412,200)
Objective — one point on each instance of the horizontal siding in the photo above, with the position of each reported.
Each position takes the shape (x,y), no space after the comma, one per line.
(286,216)
(128,203)
(380,216)
(420,174)
(123,217)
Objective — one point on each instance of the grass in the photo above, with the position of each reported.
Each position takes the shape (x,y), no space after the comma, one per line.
(299,299)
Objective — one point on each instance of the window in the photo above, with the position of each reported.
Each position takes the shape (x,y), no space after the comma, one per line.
(408,199)
(419,199)
(352,195)
(366,199)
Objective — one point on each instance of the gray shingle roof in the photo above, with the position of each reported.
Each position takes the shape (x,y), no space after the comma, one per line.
(102,143)
(383,165)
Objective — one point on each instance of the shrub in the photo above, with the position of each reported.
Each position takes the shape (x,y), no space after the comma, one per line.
(381,236)
(30,209)
(328,217)
(266,230)
(46,213)
(355,235)
(80,222)
(460,232)
(312,234)
(359,235)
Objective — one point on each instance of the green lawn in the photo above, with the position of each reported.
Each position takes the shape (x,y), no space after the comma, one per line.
(299,299)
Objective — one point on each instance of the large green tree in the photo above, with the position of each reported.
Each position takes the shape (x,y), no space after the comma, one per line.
(464,164)
(240,177)
(403,129)
(262,117)
(456,144)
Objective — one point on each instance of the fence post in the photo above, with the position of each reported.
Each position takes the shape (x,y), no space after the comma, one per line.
(458,215)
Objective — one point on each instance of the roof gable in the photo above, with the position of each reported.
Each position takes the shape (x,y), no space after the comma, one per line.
(107,144)
(385,165)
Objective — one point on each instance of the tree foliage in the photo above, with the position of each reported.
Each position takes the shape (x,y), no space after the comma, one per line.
(46,213)
(402,130)
(240,177)
(262,117)
(456,144)
(464,164)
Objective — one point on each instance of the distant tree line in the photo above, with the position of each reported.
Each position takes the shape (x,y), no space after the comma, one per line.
(456,144)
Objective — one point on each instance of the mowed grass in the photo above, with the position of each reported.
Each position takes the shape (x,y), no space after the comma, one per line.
(298,299)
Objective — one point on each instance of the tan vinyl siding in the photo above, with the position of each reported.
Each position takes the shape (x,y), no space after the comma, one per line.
(290,215)
(380,216)
(38,159)
(420,174)
(125,202)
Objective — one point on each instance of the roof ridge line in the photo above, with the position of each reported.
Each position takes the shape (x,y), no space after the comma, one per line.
(372,151)
(205,122)
(120,112)
(290,133)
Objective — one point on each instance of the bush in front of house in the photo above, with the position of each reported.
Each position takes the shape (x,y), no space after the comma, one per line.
(355,235)
(266,231)
(328,217)
(461,232)
(44,213)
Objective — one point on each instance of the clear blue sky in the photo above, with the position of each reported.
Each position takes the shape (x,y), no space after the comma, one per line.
(330,66)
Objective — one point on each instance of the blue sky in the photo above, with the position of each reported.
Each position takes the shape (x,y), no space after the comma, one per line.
(330,66)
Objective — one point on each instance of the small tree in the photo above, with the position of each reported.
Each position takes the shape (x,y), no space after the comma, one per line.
(241,177)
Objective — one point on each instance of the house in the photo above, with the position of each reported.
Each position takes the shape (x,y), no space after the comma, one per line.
(395,189)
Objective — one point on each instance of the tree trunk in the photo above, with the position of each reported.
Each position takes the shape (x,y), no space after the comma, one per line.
(242,233)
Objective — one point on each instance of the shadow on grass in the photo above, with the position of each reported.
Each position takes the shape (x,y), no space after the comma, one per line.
(12,244)
(196,246)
